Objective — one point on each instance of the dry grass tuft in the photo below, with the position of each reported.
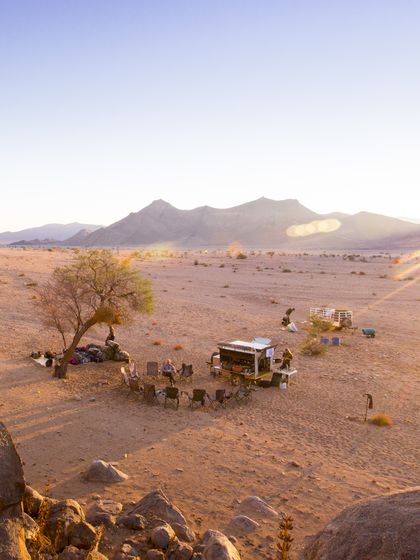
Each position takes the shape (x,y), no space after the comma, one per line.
(381,419)
(178,347)
(157,343)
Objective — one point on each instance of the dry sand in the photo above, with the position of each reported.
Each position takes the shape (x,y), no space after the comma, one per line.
(307,452)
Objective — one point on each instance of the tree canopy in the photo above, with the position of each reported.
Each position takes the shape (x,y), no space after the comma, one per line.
(96,287)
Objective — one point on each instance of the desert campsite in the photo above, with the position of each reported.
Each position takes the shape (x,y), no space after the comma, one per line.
(305,451)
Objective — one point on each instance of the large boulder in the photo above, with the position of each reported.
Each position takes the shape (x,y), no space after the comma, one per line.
(100,471)
(12,487)
(12,481)
(384,528)
(219,547)
(156,504)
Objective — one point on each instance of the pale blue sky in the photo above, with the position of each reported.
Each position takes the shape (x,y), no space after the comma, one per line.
(107,105)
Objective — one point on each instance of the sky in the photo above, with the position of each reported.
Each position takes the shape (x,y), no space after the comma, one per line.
(106,106)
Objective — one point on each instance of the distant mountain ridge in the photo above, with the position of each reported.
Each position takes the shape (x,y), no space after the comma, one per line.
(50,232)
(259,223)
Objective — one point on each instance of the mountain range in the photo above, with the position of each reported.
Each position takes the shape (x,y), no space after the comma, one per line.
(46,233)
(262,223)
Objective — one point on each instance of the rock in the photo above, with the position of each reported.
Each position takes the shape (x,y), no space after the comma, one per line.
(96,555)
(256,505)
(154,554)
(83,535)
(60,520)
(32,501)
(72,553)
(384,528)
(98,518)
(31,528)
(12,535)
(218,547)
(179,551)
(12,481)
(162,535)
(156,504)
(133,521)
(183,532)
(109,506)
(242,524)
(100,471)
(12,487)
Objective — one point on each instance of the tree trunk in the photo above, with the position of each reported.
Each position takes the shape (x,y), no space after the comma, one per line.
(61,370)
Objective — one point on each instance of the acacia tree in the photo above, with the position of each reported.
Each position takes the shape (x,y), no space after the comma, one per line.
(94,288)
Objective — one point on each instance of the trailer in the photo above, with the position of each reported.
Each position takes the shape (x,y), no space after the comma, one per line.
(245,362)
(337,317)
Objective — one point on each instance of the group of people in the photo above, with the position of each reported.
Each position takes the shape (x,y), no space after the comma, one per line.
(168,370)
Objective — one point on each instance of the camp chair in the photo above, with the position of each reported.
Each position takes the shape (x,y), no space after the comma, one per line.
(244,393)
(172,395)
(186,373)
(149,393)
(220,398)
(152,369)
(198,397)
(133,369)
(134,385)
(124,377)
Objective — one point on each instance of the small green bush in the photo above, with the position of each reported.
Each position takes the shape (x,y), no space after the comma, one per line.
(311,347)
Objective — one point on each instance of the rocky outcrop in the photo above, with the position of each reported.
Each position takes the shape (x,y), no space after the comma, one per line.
(385,528)
(12,488)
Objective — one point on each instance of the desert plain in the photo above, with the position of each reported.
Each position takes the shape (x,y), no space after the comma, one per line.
(306,451)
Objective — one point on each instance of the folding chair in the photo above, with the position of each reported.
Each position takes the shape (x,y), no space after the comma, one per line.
(149,393)
(198,397)
(220,398)
(134,385)
(152,369)
(124,377)
(186,373)
(244,394)
(172,396)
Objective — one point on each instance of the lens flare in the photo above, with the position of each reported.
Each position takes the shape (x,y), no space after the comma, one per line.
(317,226)
(235,248)
(408,267)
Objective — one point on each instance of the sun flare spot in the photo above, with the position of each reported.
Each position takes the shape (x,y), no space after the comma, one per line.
(311,228)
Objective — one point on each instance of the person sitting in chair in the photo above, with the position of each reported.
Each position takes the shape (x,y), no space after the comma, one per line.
(169,370)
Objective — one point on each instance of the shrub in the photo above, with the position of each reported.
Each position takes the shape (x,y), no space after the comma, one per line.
(196,263)
(226,286)
(157,343)
(178,347)
(241,256)
(311,347)
(286,270)
(381,419)
(221,265)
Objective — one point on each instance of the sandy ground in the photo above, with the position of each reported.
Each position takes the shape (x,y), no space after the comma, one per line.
(307,452)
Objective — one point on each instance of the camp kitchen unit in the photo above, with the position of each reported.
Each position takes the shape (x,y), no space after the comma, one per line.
(249,361)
